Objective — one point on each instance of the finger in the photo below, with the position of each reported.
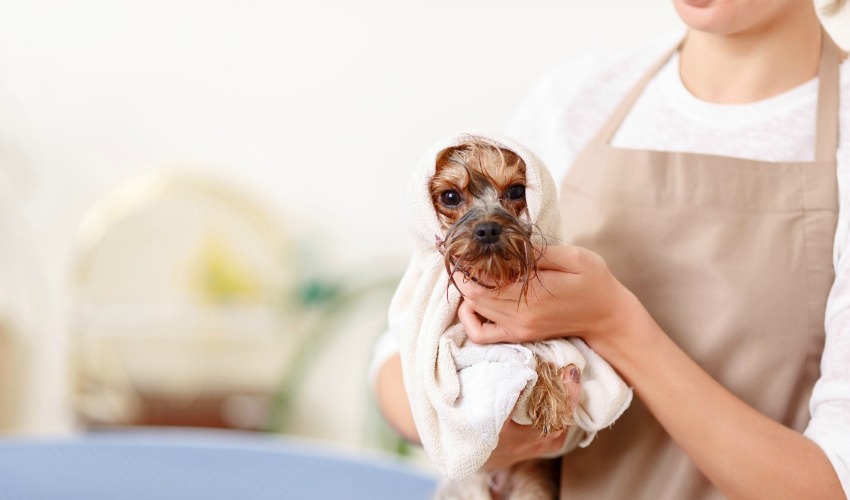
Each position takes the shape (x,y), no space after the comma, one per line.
(493,309)
(469,319)
(471,289)
(564,258)
(485,302)
(466,287)
(478,331)
(491,298)
(572,382)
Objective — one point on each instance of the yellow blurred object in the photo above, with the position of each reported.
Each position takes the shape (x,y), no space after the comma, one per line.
(222,277)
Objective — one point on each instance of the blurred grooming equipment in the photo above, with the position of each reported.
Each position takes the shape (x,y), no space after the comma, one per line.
(180,285)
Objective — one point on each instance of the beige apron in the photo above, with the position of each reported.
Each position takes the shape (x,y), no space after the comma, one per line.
(733,259)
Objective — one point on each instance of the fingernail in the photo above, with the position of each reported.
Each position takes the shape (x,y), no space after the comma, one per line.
(575,375)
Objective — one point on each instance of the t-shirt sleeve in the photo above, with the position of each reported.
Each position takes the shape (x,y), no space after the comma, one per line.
(385,348)
(829,426)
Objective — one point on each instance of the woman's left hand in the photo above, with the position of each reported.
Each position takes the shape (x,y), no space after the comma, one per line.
(574,294)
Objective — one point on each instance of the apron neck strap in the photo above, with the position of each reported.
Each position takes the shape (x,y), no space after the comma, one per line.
(829,84)
(607,133)
(828,99)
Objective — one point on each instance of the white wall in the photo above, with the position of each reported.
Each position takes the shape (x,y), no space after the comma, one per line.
(321,106)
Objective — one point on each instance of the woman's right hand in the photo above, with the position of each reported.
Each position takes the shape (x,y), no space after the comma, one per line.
(518,443)
(574,294)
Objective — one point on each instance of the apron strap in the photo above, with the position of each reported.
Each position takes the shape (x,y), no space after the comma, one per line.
(829,84)
(828,100)
(613,124)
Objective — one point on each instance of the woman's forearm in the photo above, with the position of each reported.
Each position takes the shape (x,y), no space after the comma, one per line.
(743,452)
(392,399)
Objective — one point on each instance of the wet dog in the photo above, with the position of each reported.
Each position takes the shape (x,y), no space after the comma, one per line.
(478,192)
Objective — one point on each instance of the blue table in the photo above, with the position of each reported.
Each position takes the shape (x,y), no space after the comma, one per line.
(188,465)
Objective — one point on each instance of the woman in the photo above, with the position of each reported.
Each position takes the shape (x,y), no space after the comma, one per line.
(701,190)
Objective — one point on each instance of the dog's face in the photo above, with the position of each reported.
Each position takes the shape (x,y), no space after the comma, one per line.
(478,191)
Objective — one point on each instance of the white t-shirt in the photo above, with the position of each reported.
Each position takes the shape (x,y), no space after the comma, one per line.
(567,108)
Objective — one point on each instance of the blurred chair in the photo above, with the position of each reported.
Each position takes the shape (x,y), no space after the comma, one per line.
(182,293)
(193,306)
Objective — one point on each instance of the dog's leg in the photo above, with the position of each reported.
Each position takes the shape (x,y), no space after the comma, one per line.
(549,405)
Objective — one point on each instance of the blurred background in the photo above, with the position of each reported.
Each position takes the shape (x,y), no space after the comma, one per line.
(201,201)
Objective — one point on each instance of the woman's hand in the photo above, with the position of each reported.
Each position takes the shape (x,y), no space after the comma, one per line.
(574,294)
(518,443)
(577,296)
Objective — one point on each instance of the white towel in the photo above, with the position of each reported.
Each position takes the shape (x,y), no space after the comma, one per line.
(462,393)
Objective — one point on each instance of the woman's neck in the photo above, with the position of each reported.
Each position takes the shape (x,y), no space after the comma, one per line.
(754,64)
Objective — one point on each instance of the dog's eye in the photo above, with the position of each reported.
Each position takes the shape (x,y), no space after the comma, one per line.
(516,192)
(450,198)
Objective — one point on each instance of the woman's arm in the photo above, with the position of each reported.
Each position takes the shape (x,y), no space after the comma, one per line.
(392,399)
(516,442)
(743,452)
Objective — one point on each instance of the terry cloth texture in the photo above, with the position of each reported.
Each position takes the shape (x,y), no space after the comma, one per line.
(462,393)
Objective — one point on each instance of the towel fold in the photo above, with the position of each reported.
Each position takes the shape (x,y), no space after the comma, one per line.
(461,393)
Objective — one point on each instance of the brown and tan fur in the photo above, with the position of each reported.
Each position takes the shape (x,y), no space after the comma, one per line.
(478,191)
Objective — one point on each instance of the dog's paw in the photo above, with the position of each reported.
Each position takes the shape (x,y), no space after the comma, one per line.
(549,405)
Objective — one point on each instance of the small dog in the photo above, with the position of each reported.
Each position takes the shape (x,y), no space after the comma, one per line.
(478,192)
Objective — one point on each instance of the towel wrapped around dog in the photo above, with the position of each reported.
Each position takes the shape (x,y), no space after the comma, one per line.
(461,393)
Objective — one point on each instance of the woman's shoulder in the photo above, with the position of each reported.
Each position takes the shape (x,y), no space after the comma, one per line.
(609,70)
(562,111)
(599,76)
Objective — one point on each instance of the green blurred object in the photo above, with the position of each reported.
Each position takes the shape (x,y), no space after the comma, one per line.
(335,300)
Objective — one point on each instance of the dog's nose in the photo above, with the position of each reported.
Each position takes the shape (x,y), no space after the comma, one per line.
(487,232)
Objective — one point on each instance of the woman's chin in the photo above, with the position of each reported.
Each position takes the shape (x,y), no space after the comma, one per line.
(708,16)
